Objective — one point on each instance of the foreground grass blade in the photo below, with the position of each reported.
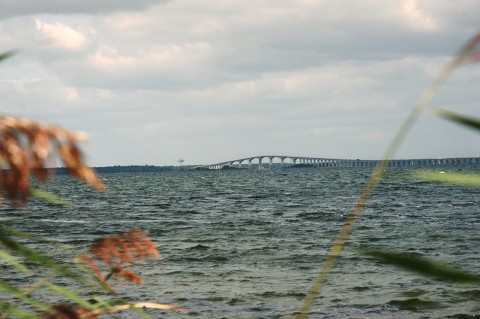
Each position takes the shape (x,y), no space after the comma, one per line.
(464,179)
(12,261)
(8,54)
(17,233)
(14,311)
(20,295)
(46,196)
(422,266)
(33,256)
(460,58)
(70,294)
(469,122)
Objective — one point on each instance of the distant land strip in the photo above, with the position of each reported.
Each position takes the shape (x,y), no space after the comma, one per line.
(301,162)
(125,169)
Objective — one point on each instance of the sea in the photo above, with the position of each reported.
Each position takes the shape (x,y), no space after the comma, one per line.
(250,243)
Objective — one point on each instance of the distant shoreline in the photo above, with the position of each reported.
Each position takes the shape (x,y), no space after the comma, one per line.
(125,169)
(154,169)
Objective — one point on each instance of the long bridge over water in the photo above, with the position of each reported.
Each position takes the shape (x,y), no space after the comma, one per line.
(267,161)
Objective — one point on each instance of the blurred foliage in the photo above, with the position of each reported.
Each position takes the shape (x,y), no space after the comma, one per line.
(26,149)
(421,265)
(467,121)
(463,179)
(467,54)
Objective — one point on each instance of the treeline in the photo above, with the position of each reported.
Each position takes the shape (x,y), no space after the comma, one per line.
(125,169)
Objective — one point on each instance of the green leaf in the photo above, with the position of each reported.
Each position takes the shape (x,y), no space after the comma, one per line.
(464,179)
(36,257)
(19,294)
(8,54)
(16,233)
(422,265)
(46,196)
(12,261)
(70,294)
(15,311)
(469,122)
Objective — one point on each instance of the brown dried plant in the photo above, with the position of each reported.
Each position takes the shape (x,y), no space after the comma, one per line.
(27,147)
(71,311)
(68,311)
(119,252)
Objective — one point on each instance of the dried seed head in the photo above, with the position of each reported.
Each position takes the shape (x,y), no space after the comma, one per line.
(26,148)
(121,251)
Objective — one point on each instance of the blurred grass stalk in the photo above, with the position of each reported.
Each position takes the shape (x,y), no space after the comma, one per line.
(422,265)
(463,179)
(466,53)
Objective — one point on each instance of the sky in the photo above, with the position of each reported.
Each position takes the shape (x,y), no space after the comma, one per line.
(152,82)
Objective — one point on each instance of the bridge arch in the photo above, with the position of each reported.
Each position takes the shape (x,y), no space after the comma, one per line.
(287,160)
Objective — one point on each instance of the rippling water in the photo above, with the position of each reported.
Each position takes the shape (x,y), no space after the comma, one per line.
(248,244)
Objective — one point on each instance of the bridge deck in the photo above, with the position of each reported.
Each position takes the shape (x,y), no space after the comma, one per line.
(285,160)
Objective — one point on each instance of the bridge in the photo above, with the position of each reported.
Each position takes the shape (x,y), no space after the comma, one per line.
(287,160)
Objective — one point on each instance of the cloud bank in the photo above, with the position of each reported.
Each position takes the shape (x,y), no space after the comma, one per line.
(207,81)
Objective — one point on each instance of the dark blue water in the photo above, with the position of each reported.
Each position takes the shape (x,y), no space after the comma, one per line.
(248,244)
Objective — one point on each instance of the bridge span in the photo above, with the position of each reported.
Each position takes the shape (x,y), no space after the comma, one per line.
(266,161)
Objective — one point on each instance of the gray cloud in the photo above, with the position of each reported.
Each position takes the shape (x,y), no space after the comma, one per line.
(211,80)
(9,8)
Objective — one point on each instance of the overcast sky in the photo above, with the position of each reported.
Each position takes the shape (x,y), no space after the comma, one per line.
(151,82)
